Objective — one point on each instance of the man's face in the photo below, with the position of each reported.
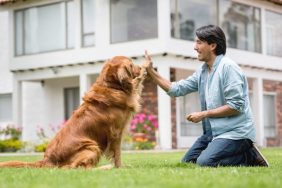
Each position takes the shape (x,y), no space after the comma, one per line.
(204,49)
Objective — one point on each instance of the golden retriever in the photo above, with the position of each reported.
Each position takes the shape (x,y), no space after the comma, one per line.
(96,127)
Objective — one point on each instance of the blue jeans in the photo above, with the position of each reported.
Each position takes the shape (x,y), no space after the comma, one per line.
(219,152)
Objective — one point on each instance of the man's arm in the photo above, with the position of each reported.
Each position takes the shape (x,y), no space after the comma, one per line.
(222,111)
(156,77)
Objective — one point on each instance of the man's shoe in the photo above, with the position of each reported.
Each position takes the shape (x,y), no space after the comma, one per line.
(259,159)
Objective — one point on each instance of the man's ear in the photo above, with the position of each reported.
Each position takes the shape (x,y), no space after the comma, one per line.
(213,46)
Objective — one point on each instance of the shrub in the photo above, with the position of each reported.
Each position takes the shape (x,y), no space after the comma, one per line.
(45,137)
(144,145)
(11,132)
(10,145)
(41,147)
(11,141)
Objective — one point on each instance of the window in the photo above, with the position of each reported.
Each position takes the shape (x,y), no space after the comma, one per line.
(269,118)
(188,15)
(133,20)
(273,33)
(269,114)
(44,28)
(241,24)
(88,22)
(188,104)
(71,96)
(5,107)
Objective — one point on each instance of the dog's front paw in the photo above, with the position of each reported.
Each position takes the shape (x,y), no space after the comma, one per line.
(143,73)
(106,167)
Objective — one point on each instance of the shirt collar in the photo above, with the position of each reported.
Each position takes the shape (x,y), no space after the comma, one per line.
(216,62)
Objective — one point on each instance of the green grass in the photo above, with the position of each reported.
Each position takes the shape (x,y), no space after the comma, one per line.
(147,170)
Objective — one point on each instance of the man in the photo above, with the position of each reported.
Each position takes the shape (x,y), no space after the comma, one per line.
(228,127)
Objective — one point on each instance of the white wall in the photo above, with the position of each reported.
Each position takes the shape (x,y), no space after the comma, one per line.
(5,74)
(43,105)
(32,109)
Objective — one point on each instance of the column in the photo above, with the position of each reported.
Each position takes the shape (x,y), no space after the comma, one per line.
(258,110)
(17,102)
(84,83)
(164,20)
(164,111)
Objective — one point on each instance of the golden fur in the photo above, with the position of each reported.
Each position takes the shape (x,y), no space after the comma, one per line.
(96,127)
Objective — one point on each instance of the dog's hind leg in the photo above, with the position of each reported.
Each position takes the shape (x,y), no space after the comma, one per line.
(87,157)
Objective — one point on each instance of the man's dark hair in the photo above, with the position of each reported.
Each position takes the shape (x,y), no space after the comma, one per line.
(213,34)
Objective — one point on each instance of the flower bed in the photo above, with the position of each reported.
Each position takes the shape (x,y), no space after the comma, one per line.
(143,131)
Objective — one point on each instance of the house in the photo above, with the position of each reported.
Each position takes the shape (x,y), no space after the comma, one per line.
(52,50)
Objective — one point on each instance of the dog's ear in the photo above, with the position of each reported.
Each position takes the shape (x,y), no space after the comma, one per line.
(124,75)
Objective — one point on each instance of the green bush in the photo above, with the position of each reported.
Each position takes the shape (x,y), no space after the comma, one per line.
(11,135)
(41,147)
(10,145)
(144,145)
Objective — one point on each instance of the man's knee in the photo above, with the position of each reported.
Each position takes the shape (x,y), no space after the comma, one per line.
(205,161)
(188,160)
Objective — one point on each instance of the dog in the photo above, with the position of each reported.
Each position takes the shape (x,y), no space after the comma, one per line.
(96,127)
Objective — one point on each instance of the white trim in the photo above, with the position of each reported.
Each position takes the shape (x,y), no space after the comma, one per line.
(102,29)
(84,85)
(59,72)
(17,102)
(164,111)
(260,4)
(33,3)
(263,32)
(258,110)
(78,24)
(264,74)
(164,25)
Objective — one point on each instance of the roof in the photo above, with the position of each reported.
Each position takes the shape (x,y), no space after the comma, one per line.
(6,1)
(279,2)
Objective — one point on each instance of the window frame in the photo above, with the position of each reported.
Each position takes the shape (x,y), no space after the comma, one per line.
(112,42)
(273,94)
(83,34)
(66,110)
(265,43)
(10,95)
(23,11)
(218,22)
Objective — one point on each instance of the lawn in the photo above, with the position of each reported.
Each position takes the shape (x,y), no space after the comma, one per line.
(147,170)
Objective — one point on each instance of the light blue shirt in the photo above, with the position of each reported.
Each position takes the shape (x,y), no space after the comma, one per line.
(227,85)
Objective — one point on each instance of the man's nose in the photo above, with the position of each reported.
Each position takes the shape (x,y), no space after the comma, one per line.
(195,47)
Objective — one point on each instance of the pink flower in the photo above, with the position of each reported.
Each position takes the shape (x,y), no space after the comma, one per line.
(143,123)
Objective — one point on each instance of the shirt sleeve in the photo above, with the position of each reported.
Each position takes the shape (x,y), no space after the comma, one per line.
(184,86)
(234,86)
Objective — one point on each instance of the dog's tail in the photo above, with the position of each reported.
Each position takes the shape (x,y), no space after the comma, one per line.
(20,164)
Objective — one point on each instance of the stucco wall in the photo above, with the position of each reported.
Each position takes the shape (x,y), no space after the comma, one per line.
(5,74)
